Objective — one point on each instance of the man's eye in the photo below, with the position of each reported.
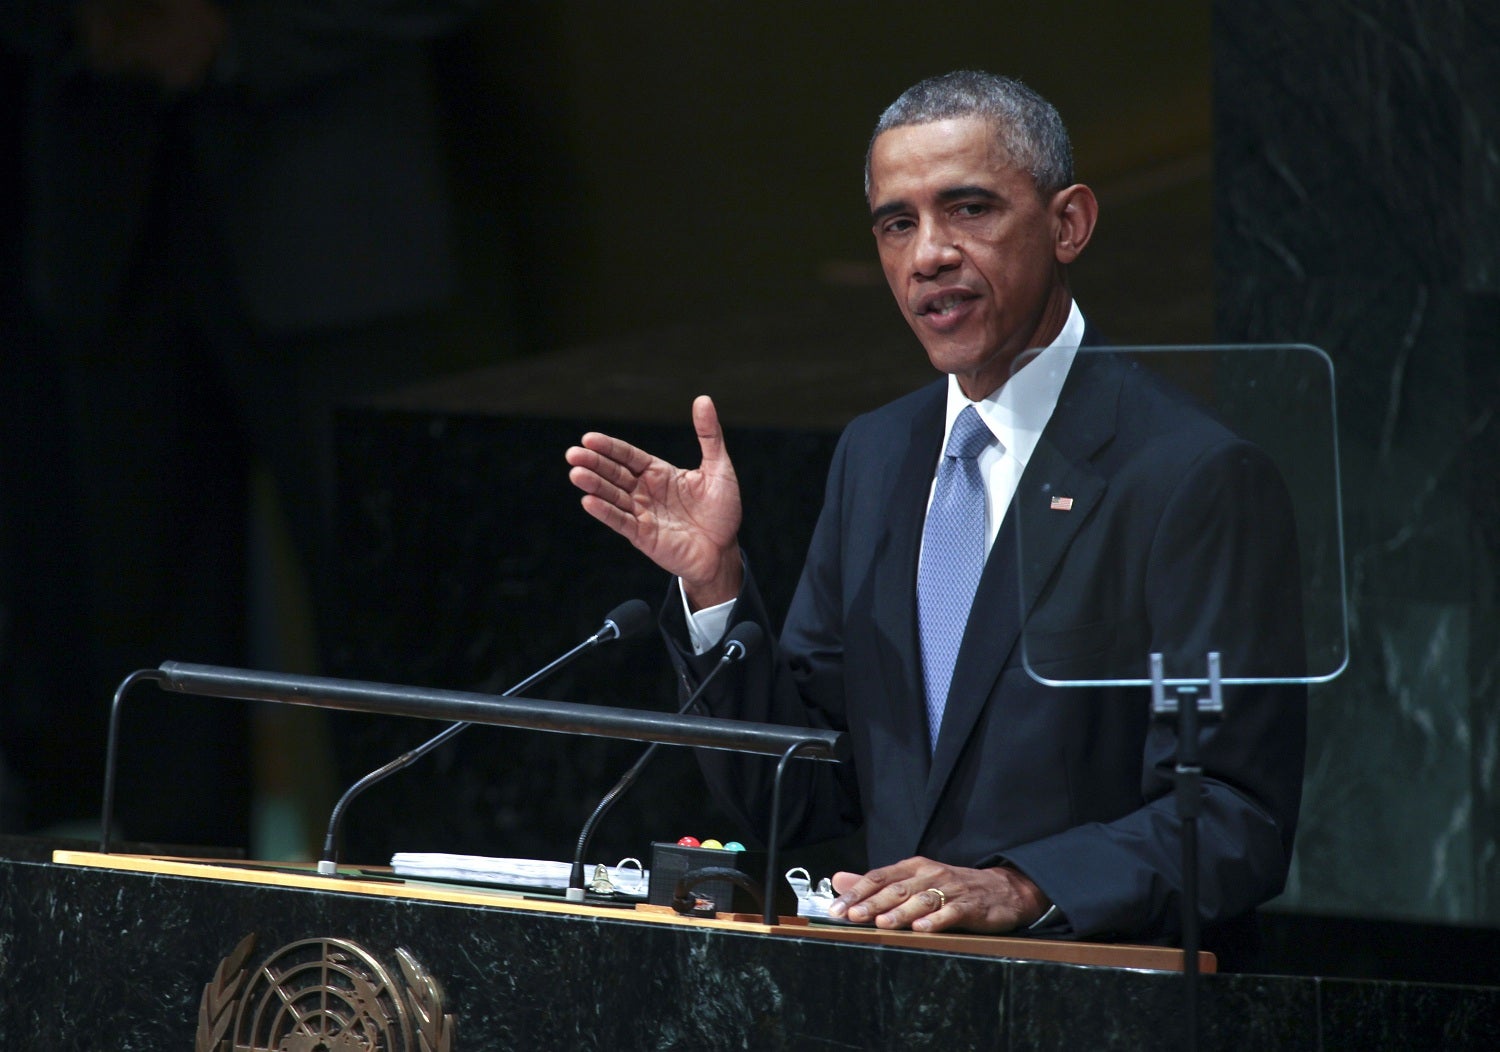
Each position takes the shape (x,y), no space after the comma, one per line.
(972,208)
(897,226)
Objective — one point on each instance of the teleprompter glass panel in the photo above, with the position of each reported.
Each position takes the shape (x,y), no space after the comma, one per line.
(1183,501)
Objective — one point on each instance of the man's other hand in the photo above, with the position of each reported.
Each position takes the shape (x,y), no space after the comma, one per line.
(924,895)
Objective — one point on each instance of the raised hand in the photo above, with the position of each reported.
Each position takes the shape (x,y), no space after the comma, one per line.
(687,522)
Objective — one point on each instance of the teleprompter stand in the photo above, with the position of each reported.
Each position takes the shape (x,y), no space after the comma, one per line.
(1191,712)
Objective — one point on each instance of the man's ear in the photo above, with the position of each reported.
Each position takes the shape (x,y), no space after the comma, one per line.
(1075,211)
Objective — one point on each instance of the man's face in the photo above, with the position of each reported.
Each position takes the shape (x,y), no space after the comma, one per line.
(968,246)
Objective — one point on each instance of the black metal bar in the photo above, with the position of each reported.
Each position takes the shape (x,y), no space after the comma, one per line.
(111,750)
(1191,712)
(1189,804)
(555,716)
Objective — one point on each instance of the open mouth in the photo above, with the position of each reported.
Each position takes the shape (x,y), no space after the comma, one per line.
(942,306)
(948,306)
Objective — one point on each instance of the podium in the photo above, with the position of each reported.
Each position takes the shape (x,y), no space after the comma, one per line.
(133,953)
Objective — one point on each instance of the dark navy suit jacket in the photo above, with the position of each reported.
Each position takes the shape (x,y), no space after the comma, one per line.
(1180,539)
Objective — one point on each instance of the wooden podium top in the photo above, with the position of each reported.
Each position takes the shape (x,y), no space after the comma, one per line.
(290,875)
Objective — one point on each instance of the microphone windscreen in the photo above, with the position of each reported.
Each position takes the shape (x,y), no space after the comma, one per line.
(747,635)
(631,618)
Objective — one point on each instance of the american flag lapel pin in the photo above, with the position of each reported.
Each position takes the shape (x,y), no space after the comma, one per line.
(1061,504)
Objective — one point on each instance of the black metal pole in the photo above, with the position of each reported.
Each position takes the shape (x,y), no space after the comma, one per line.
(112,749)
(1189,786)
(768,908)
(1191,711)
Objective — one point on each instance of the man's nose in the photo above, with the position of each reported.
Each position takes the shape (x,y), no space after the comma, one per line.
(936,249)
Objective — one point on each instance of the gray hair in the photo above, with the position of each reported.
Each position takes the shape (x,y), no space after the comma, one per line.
(1027,125)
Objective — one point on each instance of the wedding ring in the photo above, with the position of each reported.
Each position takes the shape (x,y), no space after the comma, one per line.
(942,899)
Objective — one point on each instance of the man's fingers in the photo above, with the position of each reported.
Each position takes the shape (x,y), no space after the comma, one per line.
(595,473)
(913,906)
(915,893)
(631,458)
(710,434)
(932,911)
(919,905)
(844,881)
(853,890)
(586,462)
(600,488)
(875,893)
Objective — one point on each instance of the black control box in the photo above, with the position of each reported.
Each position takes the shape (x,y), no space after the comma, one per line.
(670,861)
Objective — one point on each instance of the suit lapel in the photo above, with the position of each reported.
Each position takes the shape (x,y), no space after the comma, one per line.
(1031,542)
(903,512)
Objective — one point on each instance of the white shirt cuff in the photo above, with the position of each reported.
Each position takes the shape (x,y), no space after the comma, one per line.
(707,626)
(1052,914)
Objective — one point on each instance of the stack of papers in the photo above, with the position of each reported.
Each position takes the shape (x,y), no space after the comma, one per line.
(531,873)
(628,877)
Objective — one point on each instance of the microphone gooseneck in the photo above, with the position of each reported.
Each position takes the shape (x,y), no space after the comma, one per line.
(626,621)
(741,641)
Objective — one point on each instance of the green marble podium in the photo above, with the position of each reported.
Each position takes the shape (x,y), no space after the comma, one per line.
(179,955)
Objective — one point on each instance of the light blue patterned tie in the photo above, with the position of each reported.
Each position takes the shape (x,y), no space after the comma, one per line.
(953,550)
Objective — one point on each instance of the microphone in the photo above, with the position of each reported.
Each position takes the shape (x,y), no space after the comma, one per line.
(630,619)
(626,621)
(742,641)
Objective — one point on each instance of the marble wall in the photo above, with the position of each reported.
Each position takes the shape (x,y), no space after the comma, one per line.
(1357,178)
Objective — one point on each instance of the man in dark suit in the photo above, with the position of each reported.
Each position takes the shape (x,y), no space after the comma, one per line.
(992,802)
